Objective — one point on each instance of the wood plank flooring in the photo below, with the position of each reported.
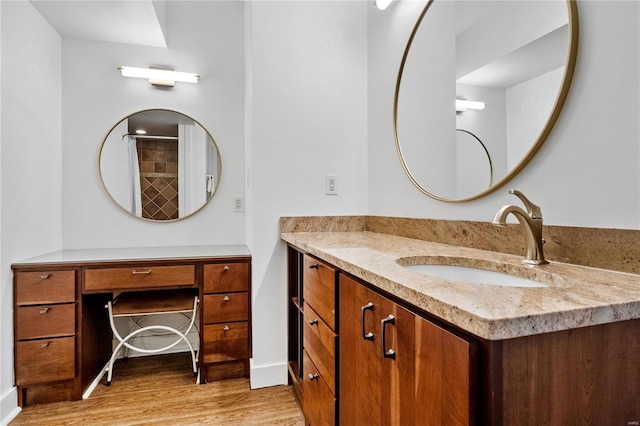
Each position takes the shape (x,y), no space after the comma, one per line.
(162,390)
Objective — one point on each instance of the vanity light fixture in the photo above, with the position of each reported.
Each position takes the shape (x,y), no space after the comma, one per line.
(159,76)
(382,4)
(463,105)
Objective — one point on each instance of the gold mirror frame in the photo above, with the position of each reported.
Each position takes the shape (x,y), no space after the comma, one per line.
(164,110)
(546,130)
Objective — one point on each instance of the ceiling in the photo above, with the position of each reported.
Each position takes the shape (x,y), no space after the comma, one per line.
(140,22)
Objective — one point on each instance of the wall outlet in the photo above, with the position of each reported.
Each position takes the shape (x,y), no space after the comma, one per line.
(331,184)
(238,204)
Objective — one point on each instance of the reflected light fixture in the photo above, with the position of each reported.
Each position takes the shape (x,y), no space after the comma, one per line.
(382,4)
(159,76)
(141,132)
(463,105)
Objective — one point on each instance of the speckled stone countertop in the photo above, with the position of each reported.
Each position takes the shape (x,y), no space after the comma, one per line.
(575,296)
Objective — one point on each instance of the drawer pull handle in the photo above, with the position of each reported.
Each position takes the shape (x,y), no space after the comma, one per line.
(314,266)
(46,344)
(313,322)
(226,298)
(44,310)
(226,328)
(45,276)
(136,272)
(226,267)
(387,353)
(365,308)
(313,377)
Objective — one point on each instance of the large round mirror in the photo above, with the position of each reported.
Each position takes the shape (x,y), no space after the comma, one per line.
(159,165)
(500,70)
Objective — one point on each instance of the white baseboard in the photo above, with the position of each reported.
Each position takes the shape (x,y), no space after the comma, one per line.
(9,406)
(263,376)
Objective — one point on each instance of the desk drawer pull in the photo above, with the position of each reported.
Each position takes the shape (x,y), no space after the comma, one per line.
(46,344)
(226,298)
(226,328)
(44,310)
(226,267)
(313,322)
(45,276)
(313,377)
(135,272)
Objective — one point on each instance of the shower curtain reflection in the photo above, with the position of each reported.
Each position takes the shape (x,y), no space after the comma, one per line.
(134,173)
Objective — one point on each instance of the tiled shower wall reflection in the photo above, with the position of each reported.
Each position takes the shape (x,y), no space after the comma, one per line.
(159,178)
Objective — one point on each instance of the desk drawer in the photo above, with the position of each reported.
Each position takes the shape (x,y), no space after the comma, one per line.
(139,277)
(35,322)
(45,360)
(226,342)
(34,288)
(226,277)
(319,290)
(225,307)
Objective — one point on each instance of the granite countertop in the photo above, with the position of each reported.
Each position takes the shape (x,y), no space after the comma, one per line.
(575,296)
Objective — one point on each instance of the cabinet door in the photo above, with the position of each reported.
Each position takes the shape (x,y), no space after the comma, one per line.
(444,373)
(360,361)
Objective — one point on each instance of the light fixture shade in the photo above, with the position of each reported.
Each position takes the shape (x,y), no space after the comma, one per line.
(382,4)
(463,105)
(159,76)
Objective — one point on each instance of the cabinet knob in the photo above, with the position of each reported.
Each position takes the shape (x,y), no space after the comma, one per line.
(313,322)
(314,266)
(45,344)
(313,377)
(226,298)
(45,276)
(226,328)
(226,267)
(44,310)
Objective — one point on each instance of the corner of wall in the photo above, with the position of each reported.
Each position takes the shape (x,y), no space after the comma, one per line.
(8,408)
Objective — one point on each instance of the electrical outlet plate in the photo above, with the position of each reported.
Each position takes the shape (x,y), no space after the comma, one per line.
(331,184)
(238,204)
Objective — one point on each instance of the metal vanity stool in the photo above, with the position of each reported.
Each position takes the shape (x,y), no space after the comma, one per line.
(138,306)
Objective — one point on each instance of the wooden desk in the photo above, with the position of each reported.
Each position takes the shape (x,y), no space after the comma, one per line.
(62,335)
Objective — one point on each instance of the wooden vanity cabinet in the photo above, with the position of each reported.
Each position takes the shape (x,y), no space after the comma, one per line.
(397,368)
(45,335)
(226,319)
(319,343)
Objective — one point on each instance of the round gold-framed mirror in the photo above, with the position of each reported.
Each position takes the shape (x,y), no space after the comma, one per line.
(159,165)
(514,59)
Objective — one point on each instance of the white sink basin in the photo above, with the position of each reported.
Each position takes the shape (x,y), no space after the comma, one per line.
(474,275)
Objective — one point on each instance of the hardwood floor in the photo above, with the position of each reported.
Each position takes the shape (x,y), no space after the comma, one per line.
(162,390)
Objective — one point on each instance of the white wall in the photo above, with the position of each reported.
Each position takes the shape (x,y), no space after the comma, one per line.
(308,118)
(586,174)
(30,140)
(203,37)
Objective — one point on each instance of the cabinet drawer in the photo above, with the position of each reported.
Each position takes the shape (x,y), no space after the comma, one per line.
(319,404)
(139,277)
(34,322)
(320,344)
(45,360)
(226,342)
(45,287)
(319,288)
(226,307)
(226,277)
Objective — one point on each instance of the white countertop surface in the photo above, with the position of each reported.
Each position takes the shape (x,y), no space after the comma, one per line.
(576,296)
(137,253)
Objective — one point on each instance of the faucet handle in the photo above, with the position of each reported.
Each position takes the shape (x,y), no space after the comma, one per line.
(534,211)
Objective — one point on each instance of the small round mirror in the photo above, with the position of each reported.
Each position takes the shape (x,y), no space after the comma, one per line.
(159,165)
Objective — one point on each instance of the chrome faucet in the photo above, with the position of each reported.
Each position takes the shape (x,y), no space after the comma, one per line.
(531,222)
